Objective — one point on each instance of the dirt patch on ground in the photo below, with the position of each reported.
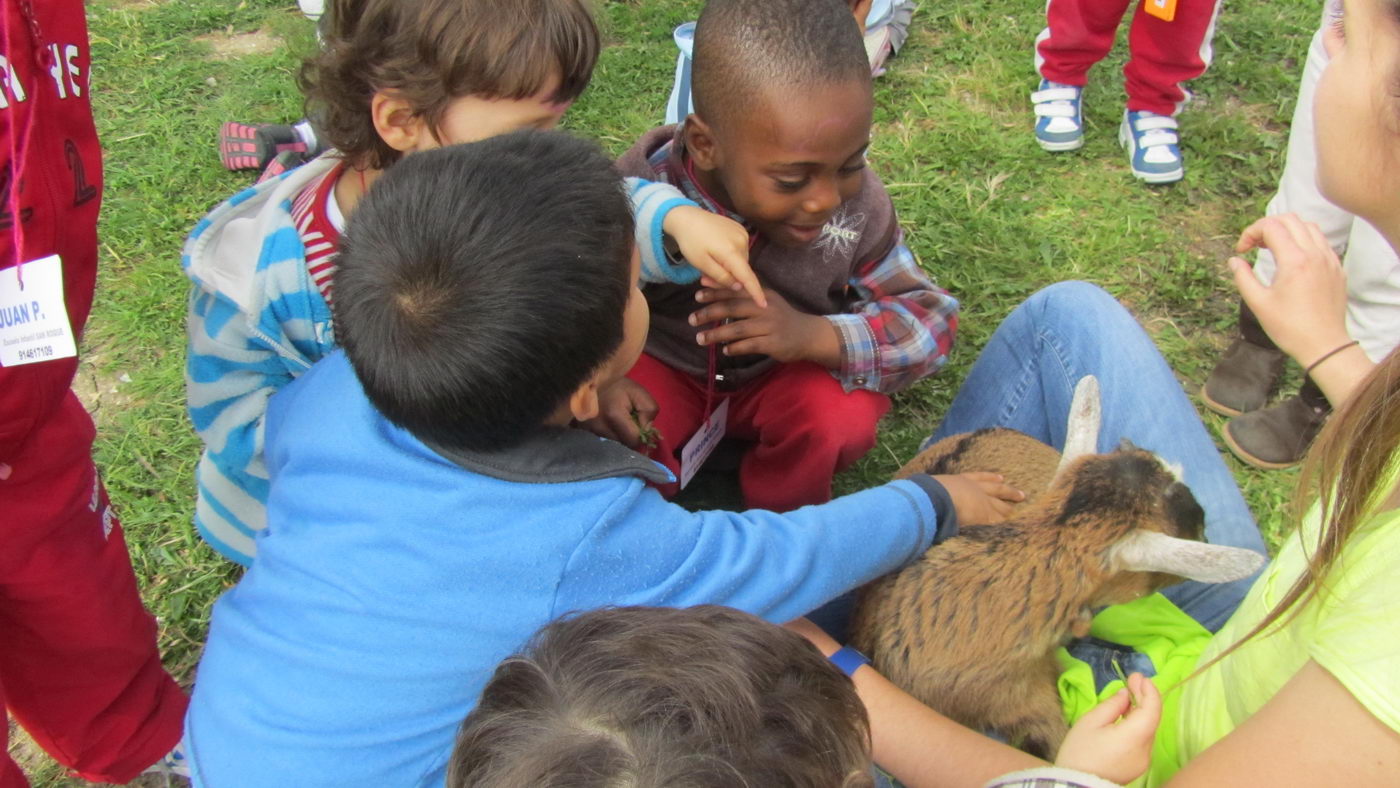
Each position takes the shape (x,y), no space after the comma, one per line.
(228,45)
(101,392)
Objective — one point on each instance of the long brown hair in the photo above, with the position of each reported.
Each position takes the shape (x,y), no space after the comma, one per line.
(1345,469)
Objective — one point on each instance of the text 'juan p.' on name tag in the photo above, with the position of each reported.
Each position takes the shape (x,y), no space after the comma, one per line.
(699,447)
(34,323)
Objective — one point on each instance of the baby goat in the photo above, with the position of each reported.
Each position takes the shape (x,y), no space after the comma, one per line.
(972,627)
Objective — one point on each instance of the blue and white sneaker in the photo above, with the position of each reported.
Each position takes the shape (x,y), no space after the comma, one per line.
(174,764)
(1151,141)
(1059,125)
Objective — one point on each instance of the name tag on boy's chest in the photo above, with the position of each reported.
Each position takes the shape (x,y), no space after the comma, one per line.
(699,447)
(34,323)
(1164,10)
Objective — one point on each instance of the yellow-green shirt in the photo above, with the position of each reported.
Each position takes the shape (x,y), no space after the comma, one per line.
(1352,629)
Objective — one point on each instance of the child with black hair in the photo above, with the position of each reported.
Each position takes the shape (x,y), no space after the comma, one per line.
(431,506)
(709,697)
(777,142)
(394,77)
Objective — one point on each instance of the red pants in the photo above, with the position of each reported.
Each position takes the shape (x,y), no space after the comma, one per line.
(1162,55)
(804,425)
(78,662)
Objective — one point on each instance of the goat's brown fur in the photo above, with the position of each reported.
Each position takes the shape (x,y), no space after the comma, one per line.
(972,627)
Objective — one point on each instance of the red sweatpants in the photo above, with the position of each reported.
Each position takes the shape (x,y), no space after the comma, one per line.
(805,427)
(1161,55)
(78,662)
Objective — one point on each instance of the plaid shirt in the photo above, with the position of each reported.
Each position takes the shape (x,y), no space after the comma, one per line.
(898,329)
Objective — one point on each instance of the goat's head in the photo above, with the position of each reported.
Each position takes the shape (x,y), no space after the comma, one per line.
(1131,509)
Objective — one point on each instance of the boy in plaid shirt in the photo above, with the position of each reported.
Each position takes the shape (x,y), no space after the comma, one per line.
(777,142)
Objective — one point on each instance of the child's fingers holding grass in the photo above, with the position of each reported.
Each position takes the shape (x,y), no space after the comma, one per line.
(625,414)
(1114,739)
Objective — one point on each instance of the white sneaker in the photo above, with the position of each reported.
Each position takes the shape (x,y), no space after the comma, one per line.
(1152,144)
(1059,123)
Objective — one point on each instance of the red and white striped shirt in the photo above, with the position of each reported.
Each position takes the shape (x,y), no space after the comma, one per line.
(319,222)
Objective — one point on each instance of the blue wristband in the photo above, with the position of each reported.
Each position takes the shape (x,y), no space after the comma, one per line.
(849,660)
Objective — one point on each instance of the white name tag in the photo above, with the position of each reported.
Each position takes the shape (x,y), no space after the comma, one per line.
(699,447)
(34,323)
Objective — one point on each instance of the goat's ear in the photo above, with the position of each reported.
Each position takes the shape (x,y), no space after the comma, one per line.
(1082,431)
(1150,551)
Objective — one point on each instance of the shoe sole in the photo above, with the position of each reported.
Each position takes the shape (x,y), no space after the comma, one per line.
(1250,459)
(1060,147)
(1158,177)
(1216,407)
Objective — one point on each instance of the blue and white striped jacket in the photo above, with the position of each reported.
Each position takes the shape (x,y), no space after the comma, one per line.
(256,322)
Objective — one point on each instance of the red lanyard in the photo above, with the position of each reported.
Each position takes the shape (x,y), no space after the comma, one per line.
(712,367)
(19,137)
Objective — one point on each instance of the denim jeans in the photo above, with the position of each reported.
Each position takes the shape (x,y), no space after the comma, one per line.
(1025,380)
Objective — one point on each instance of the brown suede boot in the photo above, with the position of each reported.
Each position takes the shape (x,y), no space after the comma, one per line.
(1245,376)
(1279,436)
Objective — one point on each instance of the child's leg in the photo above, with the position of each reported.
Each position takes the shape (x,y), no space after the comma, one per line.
(808,428)
(1163,55)
(78,654)
(1025,379)
(680,404)
(1078,34)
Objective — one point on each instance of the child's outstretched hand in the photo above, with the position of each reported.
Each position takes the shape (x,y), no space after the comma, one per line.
(1304,308)
(717,246)
(625,413)
(980,498)
(1114,740)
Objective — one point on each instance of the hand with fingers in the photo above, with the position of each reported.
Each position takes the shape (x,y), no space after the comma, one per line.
(717,246)
(625,414)
(1114,739)
(777,330)
(1304,309)
(980,498)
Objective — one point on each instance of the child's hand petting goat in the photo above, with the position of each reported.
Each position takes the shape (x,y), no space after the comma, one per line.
(980,498)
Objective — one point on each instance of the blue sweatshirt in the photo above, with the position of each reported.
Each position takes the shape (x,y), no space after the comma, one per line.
(392,579)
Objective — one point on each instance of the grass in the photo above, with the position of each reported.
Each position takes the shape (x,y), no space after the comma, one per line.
(990,216)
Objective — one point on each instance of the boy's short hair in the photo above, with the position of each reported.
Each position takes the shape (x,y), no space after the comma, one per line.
(434,51)
(683,698)
(479,285)
(743,47)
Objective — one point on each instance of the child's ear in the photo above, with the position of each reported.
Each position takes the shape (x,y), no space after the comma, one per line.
(583,403)
(395,121)
(861,10)
(700,142)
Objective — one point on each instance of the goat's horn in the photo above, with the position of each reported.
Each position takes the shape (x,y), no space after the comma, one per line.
(1082,431)
(1150,551)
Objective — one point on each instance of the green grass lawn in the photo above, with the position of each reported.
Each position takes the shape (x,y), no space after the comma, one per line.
(990,216)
